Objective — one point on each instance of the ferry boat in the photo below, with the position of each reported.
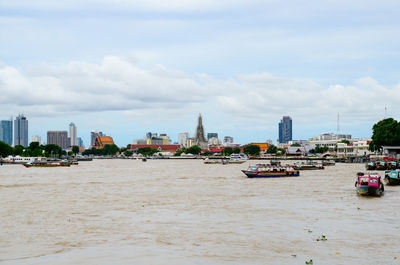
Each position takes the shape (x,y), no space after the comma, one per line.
(47,164)
(307,166)
(19,159)
(268,171)
(369,184)
(392,177)
(239,156)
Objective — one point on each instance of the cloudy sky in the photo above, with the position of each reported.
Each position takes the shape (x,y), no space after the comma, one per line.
(131,66)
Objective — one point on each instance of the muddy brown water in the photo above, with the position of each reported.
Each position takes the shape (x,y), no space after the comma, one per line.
(186,212)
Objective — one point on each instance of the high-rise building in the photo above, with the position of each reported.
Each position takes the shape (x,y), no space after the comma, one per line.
(214,141)
(21,131)
(285,129)
(93,136)
(36,138)
(6,132)
(59,138)
(200,140)
(211,135)
(182,138)
(80,142)
(228,140)
(73,135)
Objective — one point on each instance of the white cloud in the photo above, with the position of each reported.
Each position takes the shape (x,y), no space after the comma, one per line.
(117,84)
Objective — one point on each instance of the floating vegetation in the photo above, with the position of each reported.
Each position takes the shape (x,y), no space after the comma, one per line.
(309,262)
(322,238)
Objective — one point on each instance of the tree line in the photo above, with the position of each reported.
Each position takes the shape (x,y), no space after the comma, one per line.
(34,149)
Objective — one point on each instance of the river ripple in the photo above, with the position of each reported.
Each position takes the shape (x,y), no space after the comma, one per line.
(186,212)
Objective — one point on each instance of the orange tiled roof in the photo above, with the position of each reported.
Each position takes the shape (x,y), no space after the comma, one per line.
(102,141)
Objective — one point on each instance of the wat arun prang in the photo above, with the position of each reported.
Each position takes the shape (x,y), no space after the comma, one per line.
(200,140)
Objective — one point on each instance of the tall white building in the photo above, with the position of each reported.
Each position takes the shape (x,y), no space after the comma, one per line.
(36,138)
(182,138)
(73,135)
(214,141)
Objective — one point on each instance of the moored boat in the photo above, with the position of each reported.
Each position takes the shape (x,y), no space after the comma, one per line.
(46,164)
(392,177)
(328,163)
(268,171)
(370,166)
(369,184)
(308,166)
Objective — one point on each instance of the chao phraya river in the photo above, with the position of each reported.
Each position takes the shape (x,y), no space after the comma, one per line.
(186,212)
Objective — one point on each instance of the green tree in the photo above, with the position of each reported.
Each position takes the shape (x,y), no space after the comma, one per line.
(34,145)
(236,150)
(320,149)
(345,141)
(147,151)
(52,150)
(128,153)
(252,150)
(5,149)
(180,151)
(385,132)
(75,149)
(295,145)
(227,151)
(18,150)
(272,149)
(110,149)
(195,150)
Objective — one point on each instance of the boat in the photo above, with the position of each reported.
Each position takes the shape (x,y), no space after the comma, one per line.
(20,160)
(369,184)
(370,166)
(328,163)
(381,165)
(222,161)
(46,164)
(392,177)
(307,166)
(275,162)
(268,171)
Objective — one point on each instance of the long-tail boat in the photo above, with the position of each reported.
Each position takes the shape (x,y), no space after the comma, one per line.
(392,177)
(369,184)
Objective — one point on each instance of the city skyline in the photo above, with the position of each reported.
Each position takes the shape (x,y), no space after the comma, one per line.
(242,64)
(89,138)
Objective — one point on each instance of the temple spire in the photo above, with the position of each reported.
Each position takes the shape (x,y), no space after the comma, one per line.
(200,140)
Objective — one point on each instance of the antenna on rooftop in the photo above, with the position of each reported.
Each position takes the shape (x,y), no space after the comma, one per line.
(338,126)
